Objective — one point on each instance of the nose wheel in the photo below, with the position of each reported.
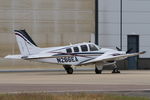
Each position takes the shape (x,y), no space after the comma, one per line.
(68,69)
(116,69)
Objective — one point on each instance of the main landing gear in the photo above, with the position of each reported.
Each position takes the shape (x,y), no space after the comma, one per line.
(98,68)
(97,71)
(68,69)
(116,69)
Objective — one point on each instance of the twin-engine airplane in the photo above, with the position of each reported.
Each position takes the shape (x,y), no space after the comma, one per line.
(71,55)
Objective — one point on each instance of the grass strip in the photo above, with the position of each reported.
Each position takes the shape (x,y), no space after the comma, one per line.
(67,96)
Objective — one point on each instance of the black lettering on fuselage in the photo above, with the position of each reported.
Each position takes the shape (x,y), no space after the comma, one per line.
(76,58)
(58,60)
(67,59)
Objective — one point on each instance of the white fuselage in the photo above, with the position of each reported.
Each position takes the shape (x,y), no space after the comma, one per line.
(70,55)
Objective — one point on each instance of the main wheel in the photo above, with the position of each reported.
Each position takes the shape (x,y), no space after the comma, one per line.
(116,70)
(68,69)
(98,71)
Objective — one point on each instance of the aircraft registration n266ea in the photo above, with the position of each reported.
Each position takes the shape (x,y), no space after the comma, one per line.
(71,55)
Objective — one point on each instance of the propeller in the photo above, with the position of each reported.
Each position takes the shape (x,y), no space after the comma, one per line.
(118,49)
(128,51)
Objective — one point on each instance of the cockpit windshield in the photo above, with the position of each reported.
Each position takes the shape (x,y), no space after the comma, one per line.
(93,47)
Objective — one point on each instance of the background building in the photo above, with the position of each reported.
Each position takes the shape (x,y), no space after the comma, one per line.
(135,26)
(49,22)
(60,22)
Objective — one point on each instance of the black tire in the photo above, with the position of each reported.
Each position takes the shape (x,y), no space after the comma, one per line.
(98,71)
(115,70)
(68,69)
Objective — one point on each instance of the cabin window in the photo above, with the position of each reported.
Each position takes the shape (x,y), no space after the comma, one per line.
(76,49)
(93,47)
(69,50)
(84,48)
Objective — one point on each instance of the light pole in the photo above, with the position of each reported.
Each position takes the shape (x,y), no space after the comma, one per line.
(96,22)
(121,24)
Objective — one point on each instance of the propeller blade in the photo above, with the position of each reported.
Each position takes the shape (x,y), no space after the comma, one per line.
(128,51)
(118,49)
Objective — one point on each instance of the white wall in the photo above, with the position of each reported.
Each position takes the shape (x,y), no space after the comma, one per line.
(136,19)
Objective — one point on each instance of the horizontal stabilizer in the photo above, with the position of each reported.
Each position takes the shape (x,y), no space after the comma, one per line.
(13,57)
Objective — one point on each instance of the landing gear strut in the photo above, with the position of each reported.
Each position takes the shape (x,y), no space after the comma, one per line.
(68,69)
(98,68)
(97,71)
(116,69)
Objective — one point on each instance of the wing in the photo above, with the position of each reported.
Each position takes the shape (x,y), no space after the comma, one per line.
(40,56)
(47,55)
(112,57)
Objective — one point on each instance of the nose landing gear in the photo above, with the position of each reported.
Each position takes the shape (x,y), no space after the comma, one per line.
(116,69)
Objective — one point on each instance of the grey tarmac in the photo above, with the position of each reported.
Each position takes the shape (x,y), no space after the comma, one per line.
(128,82)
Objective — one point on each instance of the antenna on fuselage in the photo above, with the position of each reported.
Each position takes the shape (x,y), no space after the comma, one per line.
(70,43)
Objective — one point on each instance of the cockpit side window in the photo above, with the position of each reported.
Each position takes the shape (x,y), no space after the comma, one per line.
(76,49)
(93,47)
(84,48)
(69,50)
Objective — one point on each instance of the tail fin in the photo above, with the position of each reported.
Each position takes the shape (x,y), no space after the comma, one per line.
(25,43)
